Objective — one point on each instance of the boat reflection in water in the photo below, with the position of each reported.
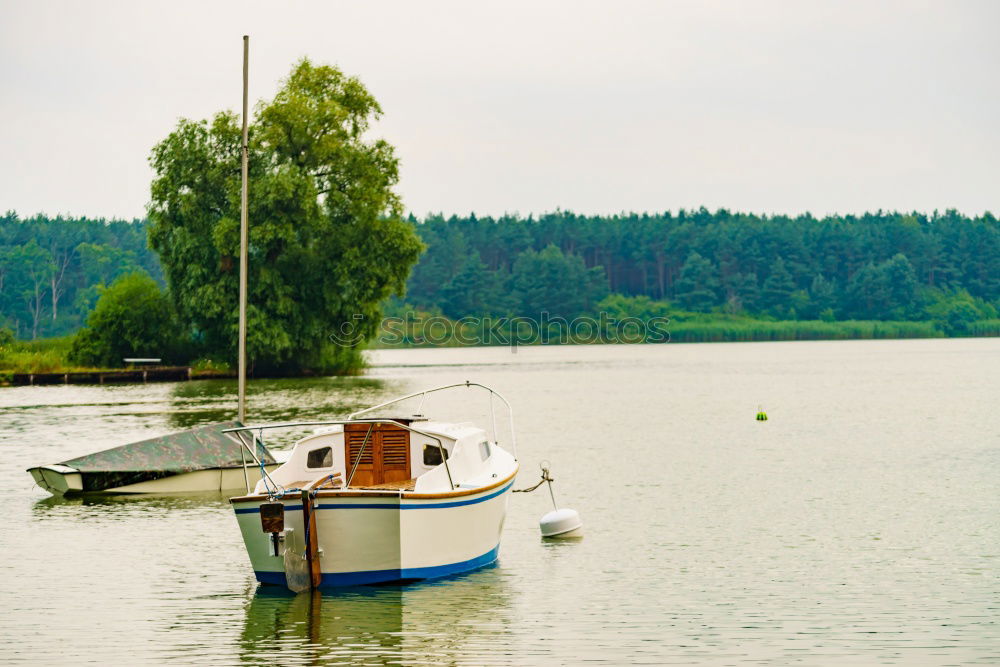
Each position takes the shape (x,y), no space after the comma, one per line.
(116,508)
(455,619)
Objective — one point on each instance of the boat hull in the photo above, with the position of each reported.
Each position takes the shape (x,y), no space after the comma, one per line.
(367,538)
(201,459)
(62,480)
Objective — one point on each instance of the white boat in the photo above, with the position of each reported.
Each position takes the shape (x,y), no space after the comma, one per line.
(201,459)
(379,499)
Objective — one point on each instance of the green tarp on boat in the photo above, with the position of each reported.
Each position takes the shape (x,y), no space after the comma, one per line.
(201,448)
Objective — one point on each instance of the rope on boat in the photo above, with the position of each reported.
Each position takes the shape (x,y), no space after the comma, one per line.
(313,492)
(545,478)
(260,458)
(273,494)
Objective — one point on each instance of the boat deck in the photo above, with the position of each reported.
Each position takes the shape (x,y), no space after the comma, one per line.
(404,485)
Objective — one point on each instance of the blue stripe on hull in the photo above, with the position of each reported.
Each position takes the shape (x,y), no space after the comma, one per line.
(384,576)
(386,506)
(415,506)
(256,510)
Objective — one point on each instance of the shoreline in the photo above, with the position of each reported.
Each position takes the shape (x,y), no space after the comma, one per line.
(188,373)
(718,331)
(111,376)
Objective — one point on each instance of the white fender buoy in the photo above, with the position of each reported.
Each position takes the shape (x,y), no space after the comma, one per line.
(561,523)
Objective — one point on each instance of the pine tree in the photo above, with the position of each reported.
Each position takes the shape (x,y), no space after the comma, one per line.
(777,289)
(698,287)
(475,290)
(822,296)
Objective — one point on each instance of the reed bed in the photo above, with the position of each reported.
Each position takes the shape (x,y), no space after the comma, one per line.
(984,328)
(758,330)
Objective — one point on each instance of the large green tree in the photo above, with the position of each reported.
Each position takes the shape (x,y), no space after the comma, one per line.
(327,241)
(133,318)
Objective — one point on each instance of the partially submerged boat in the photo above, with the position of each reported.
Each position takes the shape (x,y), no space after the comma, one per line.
(197,460)
(372,499)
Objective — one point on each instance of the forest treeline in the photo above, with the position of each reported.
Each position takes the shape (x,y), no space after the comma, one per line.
(942,267)
(877,266)
(52,269)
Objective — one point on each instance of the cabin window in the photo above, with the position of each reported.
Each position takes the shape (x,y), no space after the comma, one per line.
(320,458)
(484,450)
(432,455)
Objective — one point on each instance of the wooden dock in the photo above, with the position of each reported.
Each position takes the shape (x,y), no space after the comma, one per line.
(119,376)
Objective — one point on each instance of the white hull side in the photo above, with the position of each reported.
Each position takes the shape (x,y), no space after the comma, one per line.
(374,539)
(57,482)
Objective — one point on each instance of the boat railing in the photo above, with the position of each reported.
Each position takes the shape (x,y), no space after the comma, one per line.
(257,435)
(423,395)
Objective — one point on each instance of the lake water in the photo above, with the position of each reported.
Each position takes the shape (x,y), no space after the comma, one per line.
(859,525)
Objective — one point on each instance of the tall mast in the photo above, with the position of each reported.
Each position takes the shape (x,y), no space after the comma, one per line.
(242,412)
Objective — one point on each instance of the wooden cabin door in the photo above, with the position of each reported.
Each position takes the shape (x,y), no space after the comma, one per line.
(354,439)
(385,458)
(394,453)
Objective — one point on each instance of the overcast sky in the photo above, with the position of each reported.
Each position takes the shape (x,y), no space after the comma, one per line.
(595,107)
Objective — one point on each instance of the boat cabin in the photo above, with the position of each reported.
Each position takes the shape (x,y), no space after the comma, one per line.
(374,455)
